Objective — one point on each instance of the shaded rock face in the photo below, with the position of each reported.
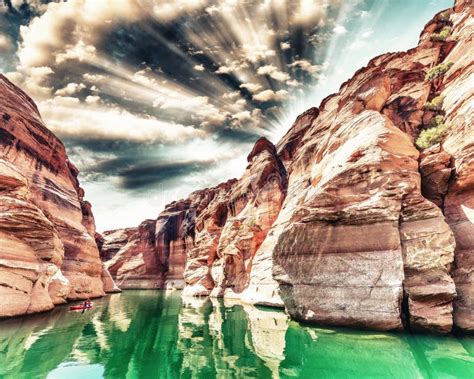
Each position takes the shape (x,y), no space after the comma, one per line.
(47,252)
(346,222)
(135,264)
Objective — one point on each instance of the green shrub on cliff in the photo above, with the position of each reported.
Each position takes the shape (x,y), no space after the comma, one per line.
(437,71)
(442,35)
(433,135)
(435,104)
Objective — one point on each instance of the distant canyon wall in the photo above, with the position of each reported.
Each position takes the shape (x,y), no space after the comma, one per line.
(345,221)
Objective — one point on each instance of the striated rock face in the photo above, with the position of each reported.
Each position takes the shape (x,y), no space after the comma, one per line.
(135,264)
(47,252)
(344,221)
(458,106)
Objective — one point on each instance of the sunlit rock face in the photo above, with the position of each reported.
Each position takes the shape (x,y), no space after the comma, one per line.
(456,86)
(253,205)
(359,236)
(345,221)
(48,253)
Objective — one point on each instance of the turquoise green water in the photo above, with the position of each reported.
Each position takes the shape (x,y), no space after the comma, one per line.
(152,334)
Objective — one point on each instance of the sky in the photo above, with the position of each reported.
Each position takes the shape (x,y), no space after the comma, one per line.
(157,98)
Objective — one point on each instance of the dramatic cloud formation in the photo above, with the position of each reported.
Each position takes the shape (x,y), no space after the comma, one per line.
(155,97)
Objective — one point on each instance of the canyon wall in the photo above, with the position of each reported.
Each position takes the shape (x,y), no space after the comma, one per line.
(48,254)
(345,221)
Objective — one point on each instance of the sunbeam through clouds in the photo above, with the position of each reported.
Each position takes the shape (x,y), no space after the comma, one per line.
(157,98)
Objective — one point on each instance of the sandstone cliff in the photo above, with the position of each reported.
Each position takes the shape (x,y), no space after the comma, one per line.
(345,221)
(47,251)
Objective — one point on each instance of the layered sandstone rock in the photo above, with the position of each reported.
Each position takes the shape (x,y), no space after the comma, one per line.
(203,229)
(47,252)
(345,221)
(361,237)
(458,91)
(254,204)
(135,265)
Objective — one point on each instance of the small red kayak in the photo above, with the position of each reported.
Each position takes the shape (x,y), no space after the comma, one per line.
(81,307)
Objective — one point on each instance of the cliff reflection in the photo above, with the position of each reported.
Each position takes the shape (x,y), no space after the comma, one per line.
(153,334)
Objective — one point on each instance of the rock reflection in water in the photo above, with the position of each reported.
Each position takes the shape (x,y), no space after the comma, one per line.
(155,334)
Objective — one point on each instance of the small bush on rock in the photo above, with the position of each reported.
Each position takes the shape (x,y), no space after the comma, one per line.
(433,135)
(442,35)
(435,104)
(437,71)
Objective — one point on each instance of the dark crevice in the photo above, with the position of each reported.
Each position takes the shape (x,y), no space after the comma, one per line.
(405,310)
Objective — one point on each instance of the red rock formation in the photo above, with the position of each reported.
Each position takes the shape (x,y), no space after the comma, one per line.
(214,232)
(359,208)
(345,222)
(457,88)
(159,254)
(253,205)
(48,254)
(135,265)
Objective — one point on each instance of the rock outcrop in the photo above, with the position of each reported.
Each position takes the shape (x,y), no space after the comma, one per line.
(457,89)
(48,254)
(345,221)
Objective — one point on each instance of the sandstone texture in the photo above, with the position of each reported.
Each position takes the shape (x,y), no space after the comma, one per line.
(458,89)
(48,254)
(345,221)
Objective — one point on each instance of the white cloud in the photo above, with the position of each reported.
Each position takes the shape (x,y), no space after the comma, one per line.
(339,29)
(168,10)
(309,12)
(242,116)
(145,78)
(230,67)
(305,65)
(293,83)
(212,9)
(65,119)
(231,95)
(257,51)
(273,72)
(269,95)
(70,89)
(63,101)
(94,78)
(92,99)
(33,80)
(251,87)
(80,51)
(199,67)
(182,103)
(285,45)
(224,70)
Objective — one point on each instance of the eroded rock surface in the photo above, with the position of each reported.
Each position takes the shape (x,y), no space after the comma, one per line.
(345,221)
(457,88)
(48,254)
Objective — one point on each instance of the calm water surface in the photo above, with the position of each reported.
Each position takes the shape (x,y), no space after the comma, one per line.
(153,334)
